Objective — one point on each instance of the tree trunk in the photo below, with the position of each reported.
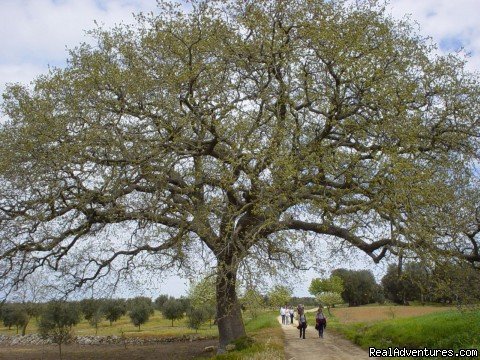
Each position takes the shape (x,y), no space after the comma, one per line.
(24,329)
(229,314)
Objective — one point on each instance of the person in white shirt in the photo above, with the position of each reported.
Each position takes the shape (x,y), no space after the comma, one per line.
(282,313)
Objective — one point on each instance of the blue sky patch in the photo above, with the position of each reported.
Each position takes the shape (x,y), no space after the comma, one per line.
(453,43)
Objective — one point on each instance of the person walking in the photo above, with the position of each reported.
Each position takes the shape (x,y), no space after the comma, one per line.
(302,325)
(282,313)
(300,309)
(321,322)
(292,314)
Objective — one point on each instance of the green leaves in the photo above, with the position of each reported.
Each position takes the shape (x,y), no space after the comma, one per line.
(237,128)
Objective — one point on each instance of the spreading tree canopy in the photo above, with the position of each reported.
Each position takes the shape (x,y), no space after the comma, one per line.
(232,127)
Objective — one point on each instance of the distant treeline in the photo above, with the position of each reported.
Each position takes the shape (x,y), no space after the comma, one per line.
(413,281)
(403,283)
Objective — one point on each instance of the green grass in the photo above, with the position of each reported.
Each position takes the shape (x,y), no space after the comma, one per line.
(267,335)
(266,320)
(451,329)
(156,326)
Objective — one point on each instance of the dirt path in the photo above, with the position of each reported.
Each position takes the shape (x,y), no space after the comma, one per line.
(332,346)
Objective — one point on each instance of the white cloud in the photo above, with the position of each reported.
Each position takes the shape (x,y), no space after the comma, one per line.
(35,33)
(41,29)
(447,22)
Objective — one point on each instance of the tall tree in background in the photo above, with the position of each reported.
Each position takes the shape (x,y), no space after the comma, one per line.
(231,129)
(414,282)
(359,286)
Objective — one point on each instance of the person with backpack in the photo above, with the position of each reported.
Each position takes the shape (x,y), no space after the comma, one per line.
(320,322)
(300,309)
(302,324)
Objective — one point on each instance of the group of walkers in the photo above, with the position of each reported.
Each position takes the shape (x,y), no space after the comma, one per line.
(287,312)
(320,319)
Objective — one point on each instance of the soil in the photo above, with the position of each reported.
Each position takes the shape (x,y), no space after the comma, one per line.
(376,313)
(332,346)
(164,351)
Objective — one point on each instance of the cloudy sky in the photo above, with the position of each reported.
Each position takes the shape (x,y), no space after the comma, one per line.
(35,34)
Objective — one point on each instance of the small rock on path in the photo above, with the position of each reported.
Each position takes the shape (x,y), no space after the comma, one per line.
(331,347)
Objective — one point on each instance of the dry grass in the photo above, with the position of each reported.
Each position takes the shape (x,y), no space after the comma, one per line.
(383,312)
(269,354)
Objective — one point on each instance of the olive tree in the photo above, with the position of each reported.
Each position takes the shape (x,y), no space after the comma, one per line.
(57,321)
(113,309)
(236,128)
(140,313)
(196,316)
(173,309)
(15,315)
(160,300)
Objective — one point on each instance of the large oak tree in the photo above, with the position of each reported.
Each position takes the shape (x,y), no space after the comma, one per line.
(236,125)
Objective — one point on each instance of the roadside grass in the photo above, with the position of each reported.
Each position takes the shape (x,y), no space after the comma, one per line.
(442,330)
(267,336)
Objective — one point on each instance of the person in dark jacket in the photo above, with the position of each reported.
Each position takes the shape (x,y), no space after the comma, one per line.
(321,322)
(302,325)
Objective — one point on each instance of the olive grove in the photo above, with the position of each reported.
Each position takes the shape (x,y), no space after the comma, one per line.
(236,129)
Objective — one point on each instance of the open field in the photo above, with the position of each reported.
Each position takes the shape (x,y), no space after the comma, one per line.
(375,313)
(264,330)
(156,326)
